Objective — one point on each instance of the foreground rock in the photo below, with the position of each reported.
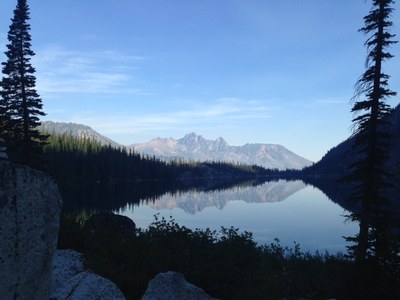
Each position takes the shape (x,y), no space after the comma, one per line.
(30,207)
(71,281)
(172,285)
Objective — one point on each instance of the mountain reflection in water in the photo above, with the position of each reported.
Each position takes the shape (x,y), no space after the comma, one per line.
(292,211)
(194,202)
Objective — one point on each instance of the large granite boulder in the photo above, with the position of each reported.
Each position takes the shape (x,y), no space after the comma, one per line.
(172,285)
(30,207)
(70,280)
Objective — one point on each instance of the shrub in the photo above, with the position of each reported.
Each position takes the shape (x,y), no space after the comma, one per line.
(227,264)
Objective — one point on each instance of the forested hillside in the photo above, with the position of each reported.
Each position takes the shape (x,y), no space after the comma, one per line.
(338,160)
(76,130)
(71,158)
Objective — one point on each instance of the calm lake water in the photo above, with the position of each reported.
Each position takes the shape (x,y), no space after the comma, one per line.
(288,210)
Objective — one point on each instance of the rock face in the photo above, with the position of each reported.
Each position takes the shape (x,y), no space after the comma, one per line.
(172,285)
(30,207)
(71,281)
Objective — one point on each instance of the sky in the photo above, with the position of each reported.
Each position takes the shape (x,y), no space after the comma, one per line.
(250,71)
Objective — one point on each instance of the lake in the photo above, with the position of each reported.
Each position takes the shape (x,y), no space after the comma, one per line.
(288,210)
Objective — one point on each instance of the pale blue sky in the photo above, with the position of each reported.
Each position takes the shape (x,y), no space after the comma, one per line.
(257,71)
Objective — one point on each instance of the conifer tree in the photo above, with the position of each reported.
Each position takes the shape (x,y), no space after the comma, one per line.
(371,142)
(20,105)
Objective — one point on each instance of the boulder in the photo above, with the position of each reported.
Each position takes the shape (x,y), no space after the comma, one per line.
(30,206)
(172,285)
(70,280)
(109,223)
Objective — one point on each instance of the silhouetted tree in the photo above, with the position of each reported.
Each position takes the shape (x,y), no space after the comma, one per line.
(20,105)
(371,141)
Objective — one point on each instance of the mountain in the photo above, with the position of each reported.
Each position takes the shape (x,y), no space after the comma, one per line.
(195,147)
(337,160)
(77,130)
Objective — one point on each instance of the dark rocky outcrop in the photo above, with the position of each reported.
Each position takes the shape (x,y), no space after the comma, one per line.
(172,285)
(109,223)
(30,207)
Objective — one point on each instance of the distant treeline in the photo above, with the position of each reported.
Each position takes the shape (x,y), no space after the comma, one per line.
(71,158)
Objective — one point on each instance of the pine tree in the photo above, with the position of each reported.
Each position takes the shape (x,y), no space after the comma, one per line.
(20,105)
(371,142)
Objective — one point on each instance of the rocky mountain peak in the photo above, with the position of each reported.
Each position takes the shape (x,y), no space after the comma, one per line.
(191,138)
(194,147)
(220,144)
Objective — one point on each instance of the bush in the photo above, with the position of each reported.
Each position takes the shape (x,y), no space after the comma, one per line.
(226,264)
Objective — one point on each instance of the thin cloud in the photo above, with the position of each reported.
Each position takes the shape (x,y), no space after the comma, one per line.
(227,107)
(63,71)
(224,112)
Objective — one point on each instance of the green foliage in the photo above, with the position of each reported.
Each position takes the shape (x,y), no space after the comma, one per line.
(71,233)
(372,143)
(83,160)
(227,264)
(20,105)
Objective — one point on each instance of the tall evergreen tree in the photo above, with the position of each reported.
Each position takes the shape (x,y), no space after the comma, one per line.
(20,105)
(371,141)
